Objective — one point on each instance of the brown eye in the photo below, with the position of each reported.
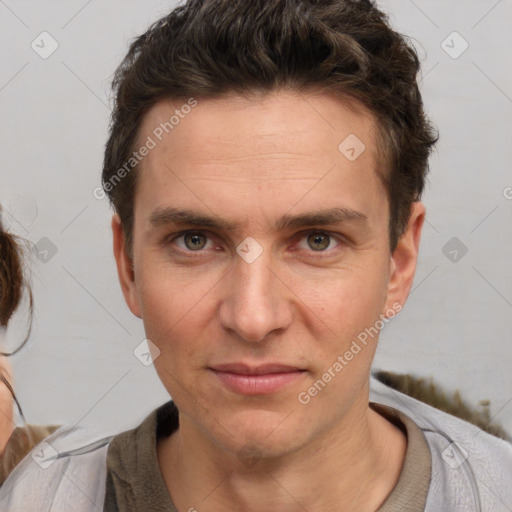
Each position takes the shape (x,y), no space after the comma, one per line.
(195,241)
(319,241)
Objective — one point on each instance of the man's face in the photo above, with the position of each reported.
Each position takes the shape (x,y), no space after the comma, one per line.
(259,247)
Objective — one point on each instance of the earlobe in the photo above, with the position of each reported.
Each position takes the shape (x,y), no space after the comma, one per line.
(124,264)
(404,258)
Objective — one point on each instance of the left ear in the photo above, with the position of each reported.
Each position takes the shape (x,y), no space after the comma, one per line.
(404,258)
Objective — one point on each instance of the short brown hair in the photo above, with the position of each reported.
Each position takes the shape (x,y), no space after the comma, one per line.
(209,48)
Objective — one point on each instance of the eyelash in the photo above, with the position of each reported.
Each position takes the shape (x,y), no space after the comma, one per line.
(304,234)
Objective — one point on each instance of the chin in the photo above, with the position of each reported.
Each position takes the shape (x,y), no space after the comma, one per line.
(258,435)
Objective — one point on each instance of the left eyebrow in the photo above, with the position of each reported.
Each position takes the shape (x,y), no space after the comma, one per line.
(321,218)
(165,216)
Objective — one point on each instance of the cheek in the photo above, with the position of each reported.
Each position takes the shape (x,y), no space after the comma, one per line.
(174,318)
(176,308)
(344,302)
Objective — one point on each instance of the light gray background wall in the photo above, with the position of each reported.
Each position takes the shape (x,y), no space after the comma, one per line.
(79,365)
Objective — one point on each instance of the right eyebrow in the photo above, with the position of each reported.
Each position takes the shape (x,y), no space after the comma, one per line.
(164,216)
(184,217)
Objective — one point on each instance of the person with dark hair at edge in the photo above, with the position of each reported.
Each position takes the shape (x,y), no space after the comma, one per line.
(15,442)
(265,162)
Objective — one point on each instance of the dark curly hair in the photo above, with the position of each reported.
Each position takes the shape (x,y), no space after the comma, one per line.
(12,277)
(13,283)
(209,48)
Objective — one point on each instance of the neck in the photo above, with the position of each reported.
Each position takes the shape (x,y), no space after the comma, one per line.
(353,466)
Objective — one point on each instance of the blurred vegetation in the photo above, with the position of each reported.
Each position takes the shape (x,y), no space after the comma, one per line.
(428,392)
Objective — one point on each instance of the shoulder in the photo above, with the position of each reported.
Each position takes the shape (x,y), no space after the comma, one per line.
(68,470)
(21,441)
(471,469)
(64,472)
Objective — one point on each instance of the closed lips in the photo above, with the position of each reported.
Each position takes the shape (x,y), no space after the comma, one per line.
(243,369)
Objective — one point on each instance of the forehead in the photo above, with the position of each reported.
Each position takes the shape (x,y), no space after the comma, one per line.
(267,150)
(285,117)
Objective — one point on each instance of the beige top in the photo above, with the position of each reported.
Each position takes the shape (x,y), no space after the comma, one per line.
(22,440)
(135,482)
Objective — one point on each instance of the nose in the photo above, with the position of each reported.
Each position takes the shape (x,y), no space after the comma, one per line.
(256,303)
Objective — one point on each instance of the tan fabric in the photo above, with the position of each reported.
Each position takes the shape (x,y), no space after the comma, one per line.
(410,492)
(22,440)
(135,482)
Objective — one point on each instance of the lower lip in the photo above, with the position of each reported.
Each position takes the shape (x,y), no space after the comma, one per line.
(257,384)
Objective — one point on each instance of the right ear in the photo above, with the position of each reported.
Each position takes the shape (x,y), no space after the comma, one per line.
(124,267)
